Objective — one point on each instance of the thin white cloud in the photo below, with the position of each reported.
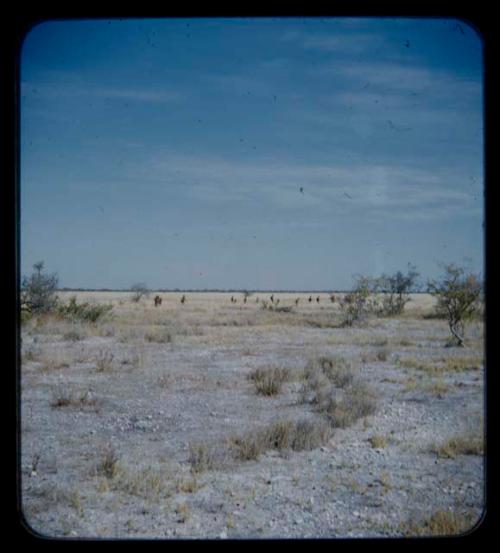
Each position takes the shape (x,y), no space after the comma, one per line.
(136,94)
(377,189)
(336,42)
(399,78)
(239,83)
(59,90)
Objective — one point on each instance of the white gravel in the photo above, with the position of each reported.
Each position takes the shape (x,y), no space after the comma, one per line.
(194,389)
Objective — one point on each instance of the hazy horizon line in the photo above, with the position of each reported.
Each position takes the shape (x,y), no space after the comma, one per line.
(215,290)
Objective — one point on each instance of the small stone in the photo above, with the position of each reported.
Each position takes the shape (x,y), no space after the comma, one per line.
(223,535)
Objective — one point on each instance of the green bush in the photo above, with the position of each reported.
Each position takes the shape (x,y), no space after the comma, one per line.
(458,296)
(356,305)
(83,311)
(396,291)
(38,291)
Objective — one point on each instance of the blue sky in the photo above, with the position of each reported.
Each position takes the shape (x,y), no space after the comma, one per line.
(276,153)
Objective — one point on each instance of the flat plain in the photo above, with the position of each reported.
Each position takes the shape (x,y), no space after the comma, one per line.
(215,418)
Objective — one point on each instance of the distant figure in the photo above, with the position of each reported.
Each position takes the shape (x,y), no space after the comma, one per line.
(232,299)
(297,301)
(183,299)
(245,299)
(157,301)
(317,299)
(332,298)
(310,299)
(272,298)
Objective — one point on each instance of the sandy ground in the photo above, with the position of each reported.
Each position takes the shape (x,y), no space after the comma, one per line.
(112,412)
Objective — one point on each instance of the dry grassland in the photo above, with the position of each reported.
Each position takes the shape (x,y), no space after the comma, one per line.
(220,419)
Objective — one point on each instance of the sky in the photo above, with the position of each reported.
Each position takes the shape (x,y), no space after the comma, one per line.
(250,153)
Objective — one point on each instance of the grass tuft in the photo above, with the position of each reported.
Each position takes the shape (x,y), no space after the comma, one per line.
(356,402)
(283,435)
(377,441)
(336,369)
(202,457)
(268,382)
(162,336)
(440,523)
(465,444)
(108,464)
(66,397)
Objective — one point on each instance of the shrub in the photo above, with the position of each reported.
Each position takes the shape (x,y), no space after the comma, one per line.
(396,290)
(440,523)
(336,369)
(72,335)
(104,361)
(162,336)
(187,485)
(147,483)
(382,354)
(321,376)
(138,291)
(108,465)
(64,397)
(279,435)
(377,441)
(357,401)
(355,306)
(55,361)
(85,311)
(309,435)
(458,299)
(466,444)
(268,382)
(38,291)
(296,435)
(282,435)
(201,458)
(248,447)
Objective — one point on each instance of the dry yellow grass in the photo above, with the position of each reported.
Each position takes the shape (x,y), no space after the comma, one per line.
(377,441)
(442,364)
(466,444)
(157,343)
(440,523)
